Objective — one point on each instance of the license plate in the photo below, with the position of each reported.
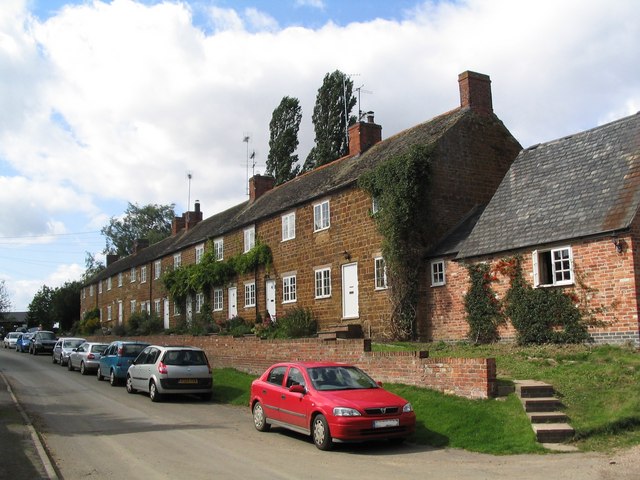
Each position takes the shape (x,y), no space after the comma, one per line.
(188,380)
(392,422)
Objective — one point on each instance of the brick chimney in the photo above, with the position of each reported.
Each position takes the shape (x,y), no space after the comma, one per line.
(139,245)
(475,92)
(112,258)
(187,221)
(259,185)
(363,136)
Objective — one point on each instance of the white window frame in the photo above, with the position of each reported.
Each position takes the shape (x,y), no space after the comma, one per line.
(108,313)
(560,262)
(218,249)
(143,274)
(249,235)
(288,226)
(380,278)
(321,216)
(218,300)
(99,287)
(375,205)
(199,252)
(249,294)
(91,290)
(438,273)
(177,260)
(157,269)
(289,289)
(132,274)
(322,282)
(157,306)
(132,304)
(109,283)
(199,302)
(177,311)
(120,275)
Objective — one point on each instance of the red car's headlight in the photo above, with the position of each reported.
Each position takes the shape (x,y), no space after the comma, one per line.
(407,408)
(345,412)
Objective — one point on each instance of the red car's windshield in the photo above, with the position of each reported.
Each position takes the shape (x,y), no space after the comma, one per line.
(340,378)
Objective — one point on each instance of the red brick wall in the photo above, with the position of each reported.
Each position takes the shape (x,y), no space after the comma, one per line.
(607,281)
(464,377)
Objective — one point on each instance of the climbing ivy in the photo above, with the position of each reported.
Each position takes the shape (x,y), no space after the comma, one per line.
(400,186)
(201,277)
(484,313)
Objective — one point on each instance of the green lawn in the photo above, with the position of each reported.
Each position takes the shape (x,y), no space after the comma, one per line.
(600,387)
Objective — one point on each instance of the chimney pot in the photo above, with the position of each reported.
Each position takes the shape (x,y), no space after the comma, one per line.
(259,185)
(475,92)
(364,135)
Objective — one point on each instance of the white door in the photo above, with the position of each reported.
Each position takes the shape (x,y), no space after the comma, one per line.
(120,312)
(233,302)
(270,289)
(350,291)
(189,309)
(165,313)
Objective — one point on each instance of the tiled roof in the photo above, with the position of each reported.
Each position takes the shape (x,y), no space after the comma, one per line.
(304,188)
(581,185)
(454,239)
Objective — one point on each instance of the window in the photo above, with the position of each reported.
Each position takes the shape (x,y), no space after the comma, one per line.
(289,289)
(157,269)
(157,306)
(120,279)
(321,216)
(250,294)
(108,313)
(276,376)
(109,283)
(218,248)
(289,226)
(199,302)
(553,267)
(249,238)
(176,309)
(133,306)
(144,307)
(143,274)
(323,283)
(100,287)
(132,275)
(177,260)
(199,252)
(380,273)
(91,290)
(375,205)
(437,273)
(84,293)
(218,304)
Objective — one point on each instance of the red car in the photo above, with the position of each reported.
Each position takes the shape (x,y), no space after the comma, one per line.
(332,402)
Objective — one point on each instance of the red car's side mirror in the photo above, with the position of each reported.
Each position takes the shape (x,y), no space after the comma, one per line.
(379,384)
(297,389)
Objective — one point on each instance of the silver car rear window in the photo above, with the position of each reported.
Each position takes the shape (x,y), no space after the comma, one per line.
(184,357)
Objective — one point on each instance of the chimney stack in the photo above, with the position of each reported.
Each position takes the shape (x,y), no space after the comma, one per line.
(139,245)
(259,185)
(475,92)
(188,220)
(363,136)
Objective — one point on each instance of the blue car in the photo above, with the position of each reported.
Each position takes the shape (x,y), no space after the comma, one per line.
(115,360)
(24,342)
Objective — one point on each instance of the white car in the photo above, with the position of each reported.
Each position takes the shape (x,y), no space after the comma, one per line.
(10,339)
(161,370)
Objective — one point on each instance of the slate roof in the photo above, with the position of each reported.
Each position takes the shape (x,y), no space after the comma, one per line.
(454,239)
(581,185)
(305,188)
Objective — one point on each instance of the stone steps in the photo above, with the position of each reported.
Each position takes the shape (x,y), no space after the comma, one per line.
(334,332)
(543,408)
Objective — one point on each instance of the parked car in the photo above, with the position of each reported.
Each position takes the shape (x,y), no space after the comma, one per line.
(86,357)
(63,348)
(10,339)
(117,357)
(162,370)
(43,341)
(332,402)
(23,342)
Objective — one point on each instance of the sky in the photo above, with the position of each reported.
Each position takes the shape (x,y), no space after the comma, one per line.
(108,102)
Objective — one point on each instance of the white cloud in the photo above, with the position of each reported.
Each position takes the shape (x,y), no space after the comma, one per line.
(319,4)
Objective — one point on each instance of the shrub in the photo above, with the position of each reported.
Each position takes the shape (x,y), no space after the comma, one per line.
(297,323)
(143,323)
(483,309)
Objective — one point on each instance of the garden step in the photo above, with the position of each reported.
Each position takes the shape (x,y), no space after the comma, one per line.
(553,432)
(331,332)
(327,335)
(533,389)
(541,404)
(547,417)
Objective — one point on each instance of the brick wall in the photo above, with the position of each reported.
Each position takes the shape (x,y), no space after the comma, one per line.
(464,377)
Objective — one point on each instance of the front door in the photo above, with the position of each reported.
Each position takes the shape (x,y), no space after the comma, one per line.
(233,302)
(350,291)
(189,309)
(270,288)
(165,313)
(120,312)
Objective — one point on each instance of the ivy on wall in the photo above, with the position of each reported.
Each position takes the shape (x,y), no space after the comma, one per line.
(484,313)
(202,277)
(400,186)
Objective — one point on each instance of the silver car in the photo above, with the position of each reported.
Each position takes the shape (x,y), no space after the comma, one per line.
(161,370)
(86,357)
(10,339)
(63,348)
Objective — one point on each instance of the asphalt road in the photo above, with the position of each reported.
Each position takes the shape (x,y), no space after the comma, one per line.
(93,430)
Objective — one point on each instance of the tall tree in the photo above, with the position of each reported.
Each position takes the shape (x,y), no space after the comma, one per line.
(151,222)
(65,305)
(39,310)
(283,140)
(5,302)
(92,266)
(331,115)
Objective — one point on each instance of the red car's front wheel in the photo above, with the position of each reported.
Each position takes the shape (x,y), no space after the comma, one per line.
(321,434)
